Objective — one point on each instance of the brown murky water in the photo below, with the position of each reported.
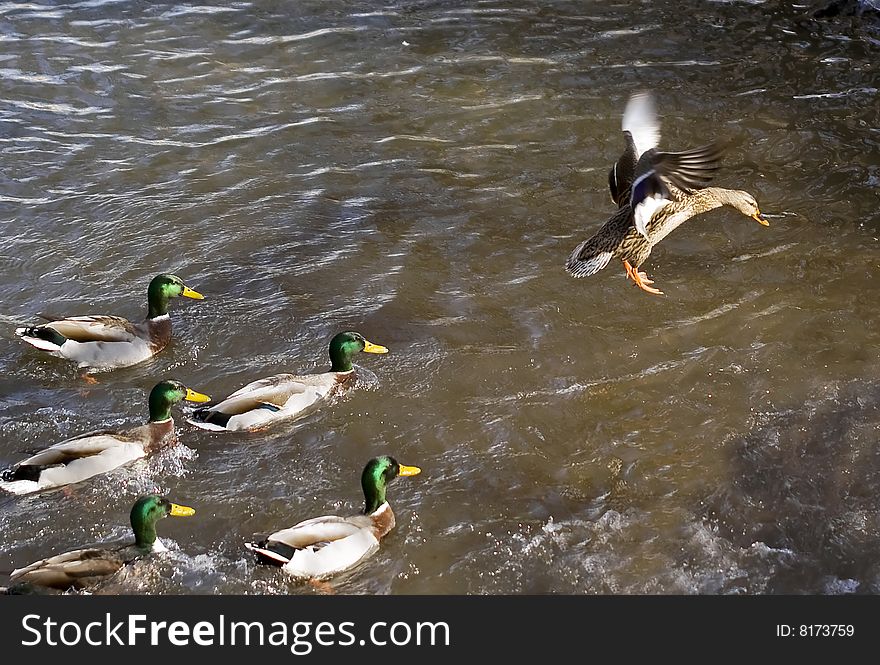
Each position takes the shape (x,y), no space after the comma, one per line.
(419,172)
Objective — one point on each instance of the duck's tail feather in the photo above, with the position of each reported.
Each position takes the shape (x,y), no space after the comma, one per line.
(584,261)
(208,419)
(273,554)
(42,337)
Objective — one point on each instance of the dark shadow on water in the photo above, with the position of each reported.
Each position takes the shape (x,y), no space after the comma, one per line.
(809,481)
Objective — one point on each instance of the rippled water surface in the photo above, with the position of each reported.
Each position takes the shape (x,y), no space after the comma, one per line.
(419,171)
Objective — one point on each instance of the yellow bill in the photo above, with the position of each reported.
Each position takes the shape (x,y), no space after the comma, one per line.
(757,217)
(193,396)
(181,511)
(409,470)
(189,293)
(369,347)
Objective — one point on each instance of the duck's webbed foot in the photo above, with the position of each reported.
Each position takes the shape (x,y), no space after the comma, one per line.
(88,378)
(322,586)
(641,279)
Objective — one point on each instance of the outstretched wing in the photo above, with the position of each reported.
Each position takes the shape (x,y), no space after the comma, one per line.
(640,120)
(641,132)
(656,171)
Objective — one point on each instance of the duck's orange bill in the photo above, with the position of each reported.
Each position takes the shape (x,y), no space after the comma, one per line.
(409,470)
(757,217)
(181,511)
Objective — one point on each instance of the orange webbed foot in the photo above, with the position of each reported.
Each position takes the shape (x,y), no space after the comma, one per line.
(322,586)
(641,279)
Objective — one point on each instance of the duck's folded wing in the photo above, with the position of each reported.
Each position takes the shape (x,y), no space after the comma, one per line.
(284,391)
(94,328)
(64,570)
(72,462)
(272,394)
(79,447)
(274,389)
(334,557)
(327,528)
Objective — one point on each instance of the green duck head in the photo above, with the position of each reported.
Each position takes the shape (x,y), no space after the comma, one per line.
(378,472)
(147,511)
(344,345)
(164,287)
(166,394)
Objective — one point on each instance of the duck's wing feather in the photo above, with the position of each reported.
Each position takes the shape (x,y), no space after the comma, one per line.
(71,569)
(73,461)
(95,328)
(261,402)
(85,445)
(690,169)
(640,120)
(278,386)
(275,392)
(657,171)
(326,528)
(641,132)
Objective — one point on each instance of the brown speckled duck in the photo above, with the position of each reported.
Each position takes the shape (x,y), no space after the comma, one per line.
(656,192)
(619,239)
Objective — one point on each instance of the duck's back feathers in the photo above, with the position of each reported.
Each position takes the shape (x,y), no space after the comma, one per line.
(278,397)
(82,457)
(77,569)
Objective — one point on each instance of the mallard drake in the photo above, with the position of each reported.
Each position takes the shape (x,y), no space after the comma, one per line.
(87,455)
(619,239)
(109,342)
(286,396)
(83,568)
(325,546)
